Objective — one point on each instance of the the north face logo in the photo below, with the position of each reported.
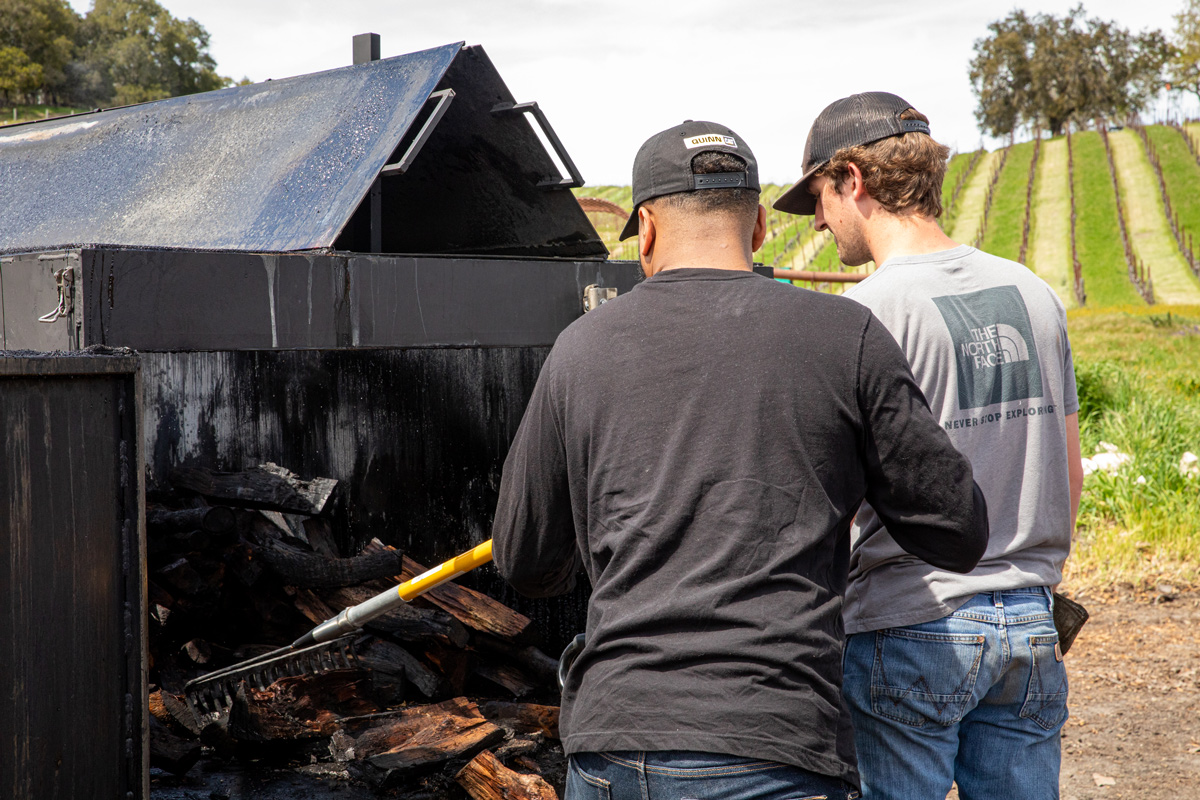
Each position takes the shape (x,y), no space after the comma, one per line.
(993,346)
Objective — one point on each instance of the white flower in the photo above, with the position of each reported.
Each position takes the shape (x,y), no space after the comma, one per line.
(1189,465)
(1110,461)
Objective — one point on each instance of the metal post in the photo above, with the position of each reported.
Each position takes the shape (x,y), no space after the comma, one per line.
(366,47)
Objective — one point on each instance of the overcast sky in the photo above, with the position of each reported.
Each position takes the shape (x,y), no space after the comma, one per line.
(609,73)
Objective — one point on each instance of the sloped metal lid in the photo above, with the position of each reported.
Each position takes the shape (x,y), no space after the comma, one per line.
(276,166)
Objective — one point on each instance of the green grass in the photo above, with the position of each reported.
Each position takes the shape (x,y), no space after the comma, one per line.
(1139,390)
(1182,176)
(964,223)
(1006,219)
(1050,230)
(954,169)
(1097,235)
(11,114)
(1146,221)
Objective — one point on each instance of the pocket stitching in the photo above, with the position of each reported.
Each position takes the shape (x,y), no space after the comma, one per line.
(1037,702)
(895,695)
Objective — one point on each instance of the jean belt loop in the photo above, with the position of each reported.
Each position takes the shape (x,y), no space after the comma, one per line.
(998,599)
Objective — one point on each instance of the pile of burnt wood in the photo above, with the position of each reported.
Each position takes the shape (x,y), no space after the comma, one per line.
(446,695)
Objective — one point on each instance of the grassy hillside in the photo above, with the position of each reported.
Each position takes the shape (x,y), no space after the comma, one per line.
(1050,228)
(1005,221)
(793,242)
(1098,236)
(1148,230)
(1182,176)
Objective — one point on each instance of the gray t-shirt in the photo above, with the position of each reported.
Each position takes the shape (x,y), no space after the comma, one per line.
(987,342)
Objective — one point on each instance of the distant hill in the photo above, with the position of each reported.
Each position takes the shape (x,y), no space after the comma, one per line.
(1017,202)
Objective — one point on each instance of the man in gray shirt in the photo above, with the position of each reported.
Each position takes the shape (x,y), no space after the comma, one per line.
(953,676)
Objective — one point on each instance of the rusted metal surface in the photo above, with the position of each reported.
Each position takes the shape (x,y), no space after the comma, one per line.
(274,166)
(72,647)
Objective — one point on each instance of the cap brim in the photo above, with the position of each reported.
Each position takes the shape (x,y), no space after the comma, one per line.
(631,226)
(798,200)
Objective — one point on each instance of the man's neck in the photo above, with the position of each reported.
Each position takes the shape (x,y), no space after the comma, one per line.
(709,254)
(893,236)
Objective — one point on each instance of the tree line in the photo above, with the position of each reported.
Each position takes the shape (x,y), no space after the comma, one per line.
(120,52)
(1043,72)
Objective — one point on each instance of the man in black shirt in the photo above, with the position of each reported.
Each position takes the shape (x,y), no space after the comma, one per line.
(700,446)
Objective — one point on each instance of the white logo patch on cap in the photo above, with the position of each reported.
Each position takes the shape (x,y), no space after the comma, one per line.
(710,139)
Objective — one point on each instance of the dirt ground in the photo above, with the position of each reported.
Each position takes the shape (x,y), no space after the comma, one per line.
(1134,726)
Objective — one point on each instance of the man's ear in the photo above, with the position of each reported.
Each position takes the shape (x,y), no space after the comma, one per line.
(646,231)
(760,230)
(857,187)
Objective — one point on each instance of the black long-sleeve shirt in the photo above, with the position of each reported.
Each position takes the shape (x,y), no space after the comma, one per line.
(701,445)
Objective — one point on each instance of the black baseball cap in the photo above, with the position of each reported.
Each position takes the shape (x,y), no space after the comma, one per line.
(849,122)
(663,165)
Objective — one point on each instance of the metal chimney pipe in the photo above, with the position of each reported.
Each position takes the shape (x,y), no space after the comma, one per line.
(366,47)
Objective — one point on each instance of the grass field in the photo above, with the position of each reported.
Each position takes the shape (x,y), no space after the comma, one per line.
(1006,219)
(1148,231)
(1139,390)
(1182,176)
(969,212)
(1097,235)
(11,114)
(1050,230)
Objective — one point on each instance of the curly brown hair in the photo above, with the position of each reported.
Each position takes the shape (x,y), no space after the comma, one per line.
(901,173)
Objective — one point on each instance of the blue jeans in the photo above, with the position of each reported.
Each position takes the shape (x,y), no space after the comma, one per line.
(670,775)
(977,697)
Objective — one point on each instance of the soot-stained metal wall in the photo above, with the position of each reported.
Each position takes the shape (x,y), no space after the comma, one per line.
(418,437)
(72,646)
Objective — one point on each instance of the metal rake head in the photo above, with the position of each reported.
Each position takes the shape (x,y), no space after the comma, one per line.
(213,693)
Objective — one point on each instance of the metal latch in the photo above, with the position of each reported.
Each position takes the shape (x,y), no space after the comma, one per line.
(64,281)
(595,296)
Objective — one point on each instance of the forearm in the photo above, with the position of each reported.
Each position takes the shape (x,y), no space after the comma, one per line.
(1074,465)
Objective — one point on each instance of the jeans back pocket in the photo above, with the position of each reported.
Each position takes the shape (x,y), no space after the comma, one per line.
(922,677)
(1046,700)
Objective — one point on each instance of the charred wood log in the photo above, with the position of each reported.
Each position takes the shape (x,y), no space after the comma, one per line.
(485,778)
(382,657)
(540,666)
(170,752)
(419,737)
(506,675)
(308,570)
(523,717)
(267,486)
(300,707)
(215,519)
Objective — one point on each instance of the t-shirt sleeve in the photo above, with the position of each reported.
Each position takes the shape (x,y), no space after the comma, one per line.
(1070,401)
(533,536)
(918,483)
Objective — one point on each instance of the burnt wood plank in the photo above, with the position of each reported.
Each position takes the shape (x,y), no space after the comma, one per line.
(485,778)
(523,717)
(267,486)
